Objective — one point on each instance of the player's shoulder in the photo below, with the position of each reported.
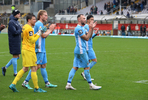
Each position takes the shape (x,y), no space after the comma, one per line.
(27,27)
(86,26)
(78,27)
(38,23)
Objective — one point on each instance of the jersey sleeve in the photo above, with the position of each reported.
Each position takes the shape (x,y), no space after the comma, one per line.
(33,38)
(80,31)
(37,26)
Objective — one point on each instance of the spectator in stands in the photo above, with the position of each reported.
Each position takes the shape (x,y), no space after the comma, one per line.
(144,30)
(114,6)
(141,6)
(128,15)
(86,13)
(68,10)
(114,1)
(91,12)
(138,7)
(129,30)
(129,2)
(121,12)
(13,7)
(105,6)
(101,12)
(123,30)
(141,30)
(117,3)
(86,1)
(117,13)
(95,9)
(125,4)
(134,6)
(145,1)
(92,9)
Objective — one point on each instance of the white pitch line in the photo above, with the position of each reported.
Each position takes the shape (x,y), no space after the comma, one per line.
(142,81)
(4,52)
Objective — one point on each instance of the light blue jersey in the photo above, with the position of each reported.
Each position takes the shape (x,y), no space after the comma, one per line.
(89,43)
(80,43)
(40,43)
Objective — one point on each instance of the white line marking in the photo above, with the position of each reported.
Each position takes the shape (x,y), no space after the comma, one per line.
(142,81)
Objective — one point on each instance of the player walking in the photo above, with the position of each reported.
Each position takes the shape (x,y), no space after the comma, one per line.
(89,45)
(80,54)
(40,50)
(14,34)
(28,54)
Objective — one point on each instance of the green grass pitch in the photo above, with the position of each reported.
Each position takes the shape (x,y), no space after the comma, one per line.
(121,62)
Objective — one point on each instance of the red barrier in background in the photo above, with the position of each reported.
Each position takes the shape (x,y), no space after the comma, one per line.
(134,27)
(73,25)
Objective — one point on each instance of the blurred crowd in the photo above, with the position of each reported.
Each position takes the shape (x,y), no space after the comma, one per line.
(70,10)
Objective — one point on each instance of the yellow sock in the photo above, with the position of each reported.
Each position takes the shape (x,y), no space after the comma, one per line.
(19,75)
(34,79)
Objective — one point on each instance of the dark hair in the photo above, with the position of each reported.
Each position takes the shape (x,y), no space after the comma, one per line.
(79,15)
(29,16)
(89,16)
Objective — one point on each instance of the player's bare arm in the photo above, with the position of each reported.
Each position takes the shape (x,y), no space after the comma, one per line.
(91,27)
(51,28)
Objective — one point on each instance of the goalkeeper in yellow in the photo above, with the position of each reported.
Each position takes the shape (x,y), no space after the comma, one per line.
(28,53)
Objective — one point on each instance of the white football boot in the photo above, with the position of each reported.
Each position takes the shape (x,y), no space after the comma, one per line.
(69,87)
(94,87)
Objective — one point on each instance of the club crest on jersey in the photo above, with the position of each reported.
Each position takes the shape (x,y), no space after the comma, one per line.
(30,33)
(80,31)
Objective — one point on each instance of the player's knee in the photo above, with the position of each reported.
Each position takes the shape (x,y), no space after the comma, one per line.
(25,69)
(43,66)
(76,68)
(87,68)
(95,60)
(38,66)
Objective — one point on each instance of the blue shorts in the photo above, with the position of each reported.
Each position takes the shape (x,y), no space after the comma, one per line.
(80,60)
(41,58)
(91,54)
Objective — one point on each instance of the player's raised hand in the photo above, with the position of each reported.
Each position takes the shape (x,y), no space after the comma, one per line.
(96,31)
(52,27)
(94,24)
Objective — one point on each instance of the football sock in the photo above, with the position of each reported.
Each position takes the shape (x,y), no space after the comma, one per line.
(71,75)
(14,62)
(34,79)
(91,64)
(8,64)
(87,75)
(28,76)
(19,75)
(44,75)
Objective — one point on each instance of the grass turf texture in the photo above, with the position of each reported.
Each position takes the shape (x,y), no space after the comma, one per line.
(121,62)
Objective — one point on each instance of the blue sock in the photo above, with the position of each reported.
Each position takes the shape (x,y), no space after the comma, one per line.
(9,63)
(71,75)
(14,63)
(44,75)
(87,75)
(28,76)
(91,64)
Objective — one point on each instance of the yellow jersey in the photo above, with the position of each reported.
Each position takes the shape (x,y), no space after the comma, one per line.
(28,38)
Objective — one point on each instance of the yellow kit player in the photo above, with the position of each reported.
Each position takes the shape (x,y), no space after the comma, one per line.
(28,53)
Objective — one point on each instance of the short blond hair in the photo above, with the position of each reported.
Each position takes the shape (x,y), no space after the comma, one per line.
(40,13)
